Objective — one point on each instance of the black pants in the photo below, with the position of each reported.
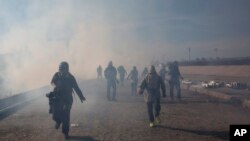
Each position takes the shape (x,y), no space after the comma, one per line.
(61,115)
(122,77)
(176,85)
(133,88)
(157,108)
(111,85)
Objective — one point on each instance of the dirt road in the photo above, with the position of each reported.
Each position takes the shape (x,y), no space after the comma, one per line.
(196,118)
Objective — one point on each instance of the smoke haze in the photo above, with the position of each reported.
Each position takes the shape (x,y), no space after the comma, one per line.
(51,35)
(35,36)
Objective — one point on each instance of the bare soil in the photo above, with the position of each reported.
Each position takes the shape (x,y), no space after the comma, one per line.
(195,118)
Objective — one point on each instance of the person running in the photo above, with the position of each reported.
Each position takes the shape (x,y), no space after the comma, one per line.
(64,83)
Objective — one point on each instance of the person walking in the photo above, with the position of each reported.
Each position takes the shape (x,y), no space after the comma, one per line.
(133,75)
(153,83)
(111,74)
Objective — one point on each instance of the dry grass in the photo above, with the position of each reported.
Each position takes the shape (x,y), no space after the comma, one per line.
(231,71)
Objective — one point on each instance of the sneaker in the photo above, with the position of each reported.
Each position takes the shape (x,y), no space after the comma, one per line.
(151,124)
(158,120)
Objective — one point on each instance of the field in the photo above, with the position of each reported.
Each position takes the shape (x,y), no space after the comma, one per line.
(228,73)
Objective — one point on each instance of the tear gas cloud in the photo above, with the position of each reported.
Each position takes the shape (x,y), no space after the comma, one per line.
(47,36)
(35,36)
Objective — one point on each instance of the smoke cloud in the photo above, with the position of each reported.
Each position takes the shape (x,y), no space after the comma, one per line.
(35,36)
(58,33)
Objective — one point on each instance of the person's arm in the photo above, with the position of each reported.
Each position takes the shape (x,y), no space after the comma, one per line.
(78,90)
(143,86)
(163,87)
(137,75)
(179,74)
(129,75)
(54,81)
(105,73)
(115,72)
(117,81)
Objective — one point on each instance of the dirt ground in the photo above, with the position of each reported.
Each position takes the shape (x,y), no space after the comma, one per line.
(196,118)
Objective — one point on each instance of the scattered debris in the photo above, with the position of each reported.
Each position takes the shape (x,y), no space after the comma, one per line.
(74,125)
(187,82)
(212,84)
(233,85)
(237,85)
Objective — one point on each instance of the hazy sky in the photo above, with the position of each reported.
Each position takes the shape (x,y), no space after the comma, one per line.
(41,33)
(174,25)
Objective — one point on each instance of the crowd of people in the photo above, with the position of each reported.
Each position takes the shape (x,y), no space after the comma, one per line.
(151,84)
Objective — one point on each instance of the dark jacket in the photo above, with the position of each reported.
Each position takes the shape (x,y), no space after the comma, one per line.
(153,83)
(133,75)
(110,74)
(64,86)
(174,73)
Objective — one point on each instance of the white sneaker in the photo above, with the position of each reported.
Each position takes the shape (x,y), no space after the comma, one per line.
(151,124)
(158,120)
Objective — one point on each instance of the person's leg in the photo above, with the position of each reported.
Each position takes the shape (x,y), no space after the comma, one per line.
(171,90)
(114,91)
(157,107)
(57,113)
(135,89)
(132,89)
(122,79)
(108,91)
(66,121)
(178,89)
(150,111)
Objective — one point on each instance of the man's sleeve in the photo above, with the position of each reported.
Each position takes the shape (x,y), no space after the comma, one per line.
(129,74)
(163,87)
(143,84)
(54,79)
(115,72)
(105,73)
(77,89)
(178,71)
